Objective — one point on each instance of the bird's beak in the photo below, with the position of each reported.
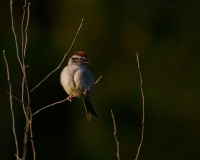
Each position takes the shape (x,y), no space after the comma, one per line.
(86,60)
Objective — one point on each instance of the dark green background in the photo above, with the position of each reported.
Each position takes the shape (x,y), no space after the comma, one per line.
(167,36)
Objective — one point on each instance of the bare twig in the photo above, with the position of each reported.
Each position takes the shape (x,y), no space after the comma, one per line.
(17,99)
(26,130)
(143,113)
(25,138)
(26,30)
(23,106)
(22,29)
(24,80)
(16,44)
(13,29)
(28,126)
(17,157)
(98,80)
(31,132)
(11,107)
(49,106)
(115,135)
(62,59)
(22,65)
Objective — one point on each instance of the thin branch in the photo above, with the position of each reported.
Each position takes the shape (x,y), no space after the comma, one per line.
(17,157)
(28,126)
(25,138)
(49,106)
(31,132)
(13,29)
(72,45)
(17,99)
(98,80)
(20,61)
(26,30)
(22,29)
(11,107)
(16,44)
(24,80)
(143,111)
(23,106)
(115,135)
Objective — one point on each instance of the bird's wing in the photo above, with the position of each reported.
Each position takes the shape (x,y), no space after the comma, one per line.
(84,80)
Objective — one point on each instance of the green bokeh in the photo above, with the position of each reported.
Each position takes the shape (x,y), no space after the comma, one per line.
(165,34)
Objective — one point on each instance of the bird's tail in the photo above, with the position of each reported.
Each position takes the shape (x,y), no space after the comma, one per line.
(90,111)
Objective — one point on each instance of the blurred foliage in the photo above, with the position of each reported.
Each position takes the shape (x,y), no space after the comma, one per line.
(165,33)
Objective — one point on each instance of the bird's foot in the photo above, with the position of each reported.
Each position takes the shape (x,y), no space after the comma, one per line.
(85,93)
(69,98)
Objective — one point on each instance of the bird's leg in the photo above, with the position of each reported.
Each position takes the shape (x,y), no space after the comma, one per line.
(69,98)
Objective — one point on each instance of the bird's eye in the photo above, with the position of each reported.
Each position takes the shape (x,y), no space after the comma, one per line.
(74,59)
(77,60)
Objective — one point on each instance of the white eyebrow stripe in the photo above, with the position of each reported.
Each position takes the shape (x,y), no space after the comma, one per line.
(76,56)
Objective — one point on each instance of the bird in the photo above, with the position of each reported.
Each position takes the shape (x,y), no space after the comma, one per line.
(77,80)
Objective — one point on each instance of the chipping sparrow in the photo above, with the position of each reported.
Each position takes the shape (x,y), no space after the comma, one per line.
(78,81)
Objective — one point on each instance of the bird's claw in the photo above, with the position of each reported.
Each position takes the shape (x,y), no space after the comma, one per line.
(85,93)
(69,98)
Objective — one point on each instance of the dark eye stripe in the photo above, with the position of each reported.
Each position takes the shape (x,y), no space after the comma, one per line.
(77,60)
